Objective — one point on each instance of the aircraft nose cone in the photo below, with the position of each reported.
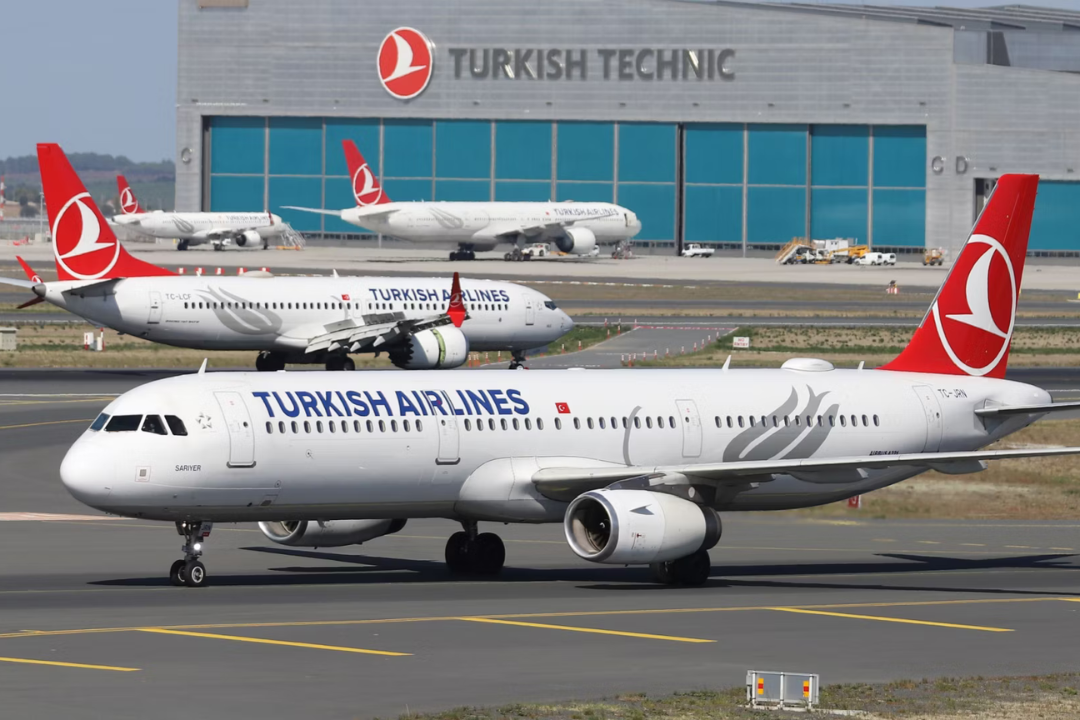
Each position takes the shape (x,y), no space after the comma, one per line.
(567,322)
(87,473)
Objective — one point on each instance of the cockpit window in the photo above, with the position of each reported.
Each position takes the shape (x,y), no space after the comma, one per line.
(176,425)
(123,423)
(100,421)
(153,424)
(550,304)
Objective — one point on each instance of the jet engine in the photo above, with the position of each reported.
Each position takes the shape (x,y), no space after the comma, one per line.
(577,241)
(248,236)
(328,533)
(439,347)
(633,527)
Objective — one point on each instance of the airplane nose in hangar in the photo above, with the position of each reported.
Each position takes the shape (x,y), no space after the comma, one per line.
(87,473)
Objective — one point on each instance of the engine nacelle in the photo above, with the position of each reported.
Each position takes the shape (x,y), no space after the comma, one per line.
(248,236)
(439,347)
(328,533)
(577,241)
(634,527)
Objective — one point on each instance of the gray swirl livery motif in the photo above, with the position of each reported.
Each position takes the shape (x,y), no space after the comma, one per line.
(239,315)
(765,441)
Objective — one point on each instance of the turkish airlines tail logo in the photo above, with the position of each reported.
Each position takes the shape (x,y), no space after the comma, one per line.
(84,246)
(365,185)
(970,323)
(129,204)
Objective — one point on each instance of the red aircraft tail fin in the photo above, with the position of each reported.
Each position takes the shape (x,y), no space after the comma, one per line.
(970,323)
(84,245)
(365,186)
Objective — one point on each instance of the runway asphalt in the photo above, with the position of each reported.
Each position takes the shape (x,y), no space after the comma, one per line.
(87,618)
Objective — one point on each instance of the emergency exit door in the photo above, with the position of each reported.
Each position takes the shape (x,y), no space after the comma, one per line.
(238,424)
(530,311)
(932,411)
(155,308)
(691,428)
(449,453)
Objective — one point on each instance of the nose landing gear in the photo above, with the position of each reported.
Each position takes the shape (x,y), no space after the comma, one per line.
(190,571)
(471,553)
(518,359)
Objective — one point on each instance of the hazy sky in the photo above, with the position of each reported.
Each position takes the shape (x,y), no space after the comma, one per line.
(100,75)
(92,75)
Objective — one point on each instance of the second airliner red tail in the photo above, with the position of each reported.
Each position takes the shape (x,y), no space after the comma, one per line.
(365,186)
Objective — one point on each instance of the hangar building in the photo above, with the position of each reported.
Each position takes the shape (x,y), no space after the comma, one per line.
(735,123)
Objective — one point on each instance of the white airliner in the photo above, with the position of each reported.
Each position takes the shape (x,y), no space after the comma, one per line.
(636,464)
(242,229)
(574,227)
(286,319)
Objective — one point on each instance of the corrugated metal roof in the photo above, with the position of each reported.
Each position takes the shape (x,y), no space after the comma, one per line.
(1001,17)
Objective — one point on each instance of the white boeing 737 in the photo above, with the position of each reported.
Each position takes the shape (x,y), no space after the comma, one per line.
(574,227)
(288,320)
(636,464)
(242,229)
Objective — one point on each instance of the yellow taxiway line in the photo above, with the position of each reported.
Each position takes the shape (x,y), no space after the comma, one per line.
(49,422)
(890,619)
(623,633)
(55,663)
(545,615)
(264,641)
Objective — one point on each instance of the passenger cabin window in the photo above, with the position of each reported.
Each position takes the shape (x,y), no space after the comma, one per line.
(123,423)
(99,421)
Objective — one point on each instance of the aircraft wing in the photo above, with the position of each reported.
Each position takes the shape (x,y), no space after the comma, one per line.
(564,483)
(548,229)
(18,282)
(320,211)
(374,332)
(1027,409)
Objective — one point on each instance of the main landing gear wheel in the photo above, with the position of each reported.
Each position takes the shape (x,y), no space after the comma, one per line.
(269,362)
(266,244)
(692,570)
(469,553)
(190,571)
(462,255)
(340,362)
(182,245)
(218,247)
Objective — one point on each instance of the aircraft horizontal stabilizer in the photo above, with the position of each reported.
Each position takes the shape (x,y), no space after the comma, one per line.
(1027,409)
(18,282)
(559,483)
(320,211)
(100,288)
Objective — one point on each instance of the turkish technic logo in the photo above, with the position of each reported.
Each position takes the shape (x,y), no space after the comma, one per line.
(127,202)
(77,241)
(364,187)
(405,63)
(976,324)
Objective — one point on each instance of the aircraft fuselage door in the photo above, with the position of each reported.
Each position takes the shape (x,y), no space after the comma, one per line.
(241,433)
(530,311)
(932,410)
(155,308)
(691,428)
(448,436)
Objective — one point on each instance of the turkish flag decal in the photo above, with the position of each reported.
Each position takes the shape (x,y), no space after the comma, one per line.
(563,408)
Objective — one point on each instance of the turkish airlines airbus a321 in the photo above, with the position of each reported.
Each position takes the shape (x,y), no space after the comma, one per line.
(636,464)
(421,323)
(574,227)
(243,229)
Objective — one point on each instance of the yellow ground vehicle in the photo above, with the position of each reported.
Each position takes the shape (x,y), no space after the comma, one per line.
(933,256)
